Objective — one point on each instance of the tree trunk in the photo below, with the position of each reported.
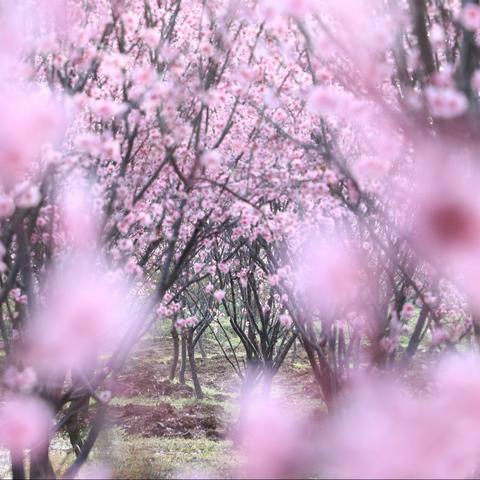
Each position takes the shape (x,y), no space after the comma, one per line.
(294,353)
(183,366)
(267,381)
(193,366)
(176,351)
(321,376)
(202,348)
(40,465)
(18,470)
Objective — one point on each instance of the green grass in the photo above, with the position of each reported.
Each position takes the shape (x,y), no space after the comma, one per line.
(134,456)
(174,401)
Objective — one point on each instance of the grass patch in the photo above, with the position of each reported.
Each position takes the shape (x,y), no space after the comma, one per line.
(138,457)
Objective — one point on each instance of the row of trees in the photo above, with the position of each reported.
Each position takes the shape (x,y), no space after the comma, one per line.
(304,169)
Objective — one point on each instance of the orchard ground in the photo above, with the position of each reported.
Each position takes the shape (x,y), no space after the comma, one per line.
(157,429)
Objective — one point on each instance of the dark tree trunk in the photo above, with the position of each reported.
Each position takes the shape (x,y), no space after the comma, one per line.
(73,425)
(267,381)
(18,470)
(201,347)
(176,351)
(294,353)
(183,366)
(193,366)
(321,375)
(40,465)
(416,337)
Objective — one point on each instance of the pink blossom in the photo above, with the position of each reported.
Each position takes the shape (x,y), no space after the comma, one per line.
(223,267)
(446,103)
(407,311)
(151,37)
(328,274)
(27,195)
(285,320)
(371,168)
(437,35)
(78,219)
(432,436)
(105,396)
(440,335)
(476,80)
(21,381)
(84,316)
(25,422)
(325,100)
(271,440)
(211,160)
(197,267)
(444,78)
(206,49)
(17,295)
(34,120)
(470,17)
(95,472)
(219,295)
(295,8)
(7,206)
(107,109)
(387,344)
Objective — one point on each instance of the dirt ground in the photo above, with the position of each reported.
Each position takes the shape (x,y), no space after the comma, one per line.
(165,420)
(157,429)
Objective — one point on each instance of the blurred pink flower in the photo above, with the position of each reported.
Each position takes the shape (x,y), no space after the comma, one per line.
(20,380)
(25,422)
(78,217)
(7,206)
(33,120)
(270,439)
(296,8)
(84,316)
(219,295)
(211,160)
(446,103)
(328,274)
(285,320)
(470,17)
(383,431)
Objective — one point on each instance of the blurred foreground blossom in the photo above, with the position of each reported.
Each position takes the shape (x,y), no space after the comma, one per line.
(34,119)
(329,274)
(271,439)
(25,422)
(85,315)
(385,431)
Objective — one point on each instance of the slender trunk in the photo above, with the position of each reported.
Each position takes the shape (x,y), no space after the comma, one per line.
(176,351)
(419,12)
(183,366)
(267,381)
(476,330)
(18,470)
(320,375)
(40,465)
(193,366)
(416,337)
(202,348)
(73,425)
(3,331)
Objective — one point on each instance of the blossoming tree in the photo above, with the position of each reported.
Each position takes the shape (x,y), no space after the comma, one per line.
(306,169)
